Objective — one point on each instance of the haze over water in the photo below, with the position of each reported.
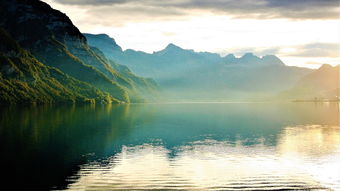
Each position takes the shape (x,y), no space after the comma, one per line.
(188,146)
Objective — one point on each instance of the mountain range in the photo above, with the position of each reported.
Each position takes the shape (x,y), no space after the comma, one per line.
(186,74)
(42,38)
(46,59)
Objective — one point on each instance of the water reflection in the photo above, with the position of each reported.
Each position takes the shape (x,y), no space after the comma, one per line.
(310,140)
(41,146)
(295,163)
(172,146)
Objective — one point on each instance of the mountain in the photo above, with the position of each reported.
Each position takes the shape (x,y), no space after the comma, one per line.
(188,74)
(103,40)
(23,79)
(145,89)
(323,83)
(53,40)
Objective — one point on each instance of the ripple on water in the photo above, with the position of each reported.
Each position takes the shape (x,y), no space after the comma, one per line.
(292,164)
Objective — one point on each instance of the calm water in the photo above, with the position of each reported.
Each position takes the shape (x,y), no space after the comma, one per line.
(216,146)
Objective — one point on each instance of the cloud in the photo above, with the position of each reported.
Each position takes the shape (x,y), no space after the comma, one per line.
(314,63)
(311,55)
(310,50)
(100,13)
(260,51)
(261,9)
(317,50)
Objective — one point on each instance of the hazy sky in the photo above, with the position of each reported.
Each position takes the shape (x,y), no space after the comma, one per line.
(300,32)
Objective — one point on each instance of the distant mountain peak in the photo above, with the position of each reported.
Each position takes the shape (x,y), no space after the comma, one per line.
(325,67)
(249,58)
(172,49)
(230,56)
(249,54)
(270,56)
(230,59)
(103,38)
(173,46)
(101,35)
(272,59)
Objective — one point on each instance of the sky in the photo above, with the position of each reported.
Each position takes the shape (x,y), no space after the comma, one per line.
(301,32)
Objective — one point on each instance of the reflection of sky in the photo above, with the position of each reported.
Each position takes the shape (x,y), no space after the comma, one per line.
(304,157)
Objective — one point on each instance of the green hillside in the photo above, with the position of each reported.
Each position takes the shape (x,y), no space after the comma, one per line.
(23,79)
(54,41)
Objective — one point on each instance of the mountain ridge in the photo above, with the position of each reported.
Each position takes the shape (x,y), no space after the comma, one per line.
(182,72)
(173,47)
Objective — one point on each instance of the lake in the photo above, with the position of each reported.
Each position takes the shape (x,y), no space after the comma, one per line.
(184,146)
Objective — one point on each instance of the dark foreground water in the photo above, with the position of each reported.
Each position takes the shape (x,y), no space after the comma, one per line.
(216,146)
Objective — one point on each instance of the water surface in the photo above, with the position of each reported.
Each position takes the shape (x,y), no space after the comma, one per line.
(188,146)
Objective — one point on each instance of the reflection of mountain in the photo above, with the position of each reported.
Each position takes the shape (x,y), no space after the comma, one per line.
(189,74)
(53,40)
(36,141)
(322,83)
(41,146)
